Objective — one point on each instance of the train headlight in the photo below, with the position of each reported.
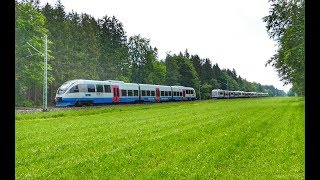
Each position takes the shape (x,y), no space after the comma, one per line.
(58,99)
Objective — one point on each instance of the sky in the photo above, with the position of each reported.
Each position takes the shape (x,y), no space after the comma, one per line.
(230,33)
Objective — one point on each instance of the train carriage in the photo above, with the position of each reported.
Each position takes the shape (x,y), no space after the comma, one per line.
(231,94)
(165,93)
(84,92)
(190,93)
(177,93)
(217,93)
(129,92)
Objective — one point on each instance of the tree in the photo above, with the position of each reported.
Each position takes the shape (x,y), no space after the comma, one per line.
(285,24)
(141,56)
(188,75)
(206,91)
(29,27)
(172,75)
(158,75)
(197,63)
(290,92)
(114,52)
(216,71)
(75,45)
(207,72)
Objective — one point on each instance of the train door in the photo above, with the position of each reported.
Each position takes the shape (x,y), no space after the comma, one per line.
(157,94)
(184,95)
(116,97)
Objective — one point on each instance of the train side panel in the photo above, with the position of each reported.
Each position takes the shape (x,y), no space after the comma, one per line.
(129,92)
(177,93)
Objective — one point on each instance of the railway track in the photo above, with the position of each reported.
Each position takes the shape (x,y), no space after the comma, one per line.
(53,108)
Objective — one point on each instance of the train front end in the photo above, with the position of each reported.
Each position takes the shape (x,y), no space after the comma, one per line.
(61,99)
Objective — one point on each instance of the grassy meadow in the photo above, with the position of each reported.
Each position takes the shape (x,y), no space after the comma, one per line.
(254,138)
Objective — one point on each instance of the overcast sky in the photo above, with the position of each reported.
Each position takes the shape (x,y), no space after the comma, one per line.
(230,33)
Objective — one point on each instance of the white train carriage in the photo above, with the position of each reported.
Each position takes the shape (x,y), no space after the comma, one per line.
(238,94)
(177,93)
(252,94)
(231,94)
(190,93)
(83,92)
(154,93)
(263,94)
(165,93)
(246,94)
(217,94)
(86,92)
(129,92)
(148,92)
(241,94)
(182,93)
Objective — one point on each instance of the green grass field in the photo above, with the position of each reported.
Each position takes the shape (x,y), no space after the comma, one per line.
(256,138)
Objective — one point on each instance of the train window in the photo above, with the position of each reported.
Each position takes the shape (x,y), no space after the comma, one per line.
(148,93)
(129,92)
(99,88)
(166,93)
(82,87)
(135,92)
(180,93)
(143,93)
(175,93)
(153,93)
(107,88)
(74,89)
(123,92)
(169,93)
(187,91)
(162,93)
(91,88)
(192,92)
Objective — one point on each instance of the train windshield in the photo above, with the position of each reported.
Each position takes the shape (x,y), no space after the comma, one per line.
(64,87)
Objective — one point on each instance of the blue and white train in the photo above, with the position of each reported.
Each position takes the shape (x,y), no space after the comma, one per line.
(225,94)
(81,92)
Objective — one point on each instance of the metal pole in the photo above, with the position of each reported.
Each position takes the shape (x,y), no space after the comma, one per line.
(227,85)
(199,90)
(45,85)
(228,88)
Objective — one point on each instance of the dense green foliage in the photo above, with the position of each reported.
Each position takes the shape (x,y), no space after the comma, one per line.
(254,138)
(29,62)
(81,47)
(285,24)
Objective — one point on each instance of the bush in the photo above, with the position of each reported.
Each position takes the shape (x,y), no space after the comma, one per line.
(27,104)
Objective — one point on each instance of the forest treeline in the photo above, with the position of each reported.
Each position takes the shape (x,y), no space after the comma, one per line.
(82,47)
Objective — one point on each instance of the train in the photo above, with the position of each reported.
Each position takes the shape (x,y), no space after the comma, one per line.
(226,94)
(82,92)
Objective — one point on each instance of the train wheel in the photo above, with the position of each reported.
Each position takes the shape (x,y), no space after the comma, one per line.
(78,104)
